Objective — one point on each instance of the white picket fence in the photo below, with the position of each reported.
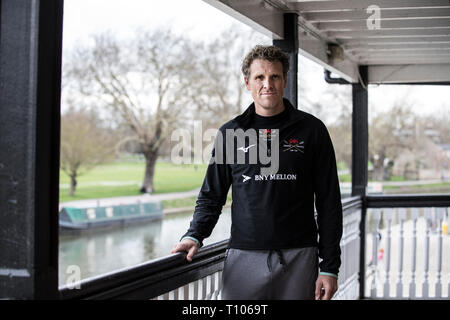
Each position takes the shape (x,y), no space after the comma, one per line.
(407,253)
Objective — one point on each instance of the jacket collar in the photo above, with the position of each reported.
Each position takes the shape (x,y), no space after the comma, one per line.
(245,119)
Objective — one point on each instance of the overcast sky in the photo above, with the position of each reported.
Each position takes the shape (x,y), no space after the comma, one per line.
(197,19)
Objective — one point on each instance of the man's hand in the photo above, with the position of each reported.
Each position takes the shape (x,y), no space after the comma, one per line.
(326,286)
(186,245)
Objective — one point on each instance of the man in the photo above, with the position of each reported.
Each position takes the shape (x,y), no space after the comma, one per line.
(275,242)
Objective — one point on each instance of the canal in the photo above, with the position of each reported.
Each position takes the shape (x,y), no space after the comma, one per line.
(99,251)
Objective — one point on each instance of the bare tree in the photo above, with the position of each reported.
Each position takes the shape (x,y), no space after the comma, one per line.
(432,131)
(390,133)
(341,134)
(84,144)
(142,81)
(439,123)
(334,109)
(219,90)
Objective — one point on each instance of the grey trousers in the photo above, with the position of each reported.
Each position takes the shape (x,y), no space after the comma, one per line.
(287,274)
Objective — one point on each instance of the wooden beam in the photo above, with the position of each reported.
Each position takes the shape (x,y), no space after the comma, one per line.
(404,61)
(393,40)
(357,25)
(307,6)
(327,16)
(266,19)
(409,73)
(431,45)
(389,33)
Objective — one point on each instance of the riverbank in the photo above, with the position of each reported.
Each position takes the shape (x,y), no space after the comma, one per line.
(105,202)
(124,179)
(172,202)
(169,211)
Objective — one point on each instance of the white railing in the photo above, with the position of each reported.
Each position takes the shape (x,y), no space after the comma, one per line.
(348,283)
(207,288)
(210,287)
(407,253)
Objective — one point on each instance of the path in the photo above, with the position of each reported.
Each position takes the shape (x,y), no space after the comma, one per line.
(89,203)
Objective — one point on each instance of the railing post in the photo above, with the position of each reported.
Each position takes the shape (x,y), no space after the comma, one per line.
(362,251)
(402,216)
(425,285)
(388,217)
(412,285)
(376,216)
(438,288)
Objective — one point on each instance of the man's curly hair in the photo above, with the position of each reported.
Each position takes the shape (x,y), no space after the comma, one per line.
(269,53)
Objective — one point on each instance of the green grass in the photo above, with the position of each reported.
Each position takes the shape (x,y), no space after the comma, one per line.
(185,202)
(128,176)
(82,193)
(180,203)
(341,165)
(347,177)
(116,171)
(420,186)
(397,178)
(168,178)
(178,178)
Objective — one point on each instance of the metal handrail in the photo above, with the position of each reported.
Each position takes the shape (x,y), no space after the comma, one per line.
(348,204)
(150,279)
(407,200)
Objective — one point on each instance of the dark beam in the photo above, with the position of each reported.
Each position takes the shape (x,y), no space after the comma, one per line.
(30,85)
(360,135)
(360,154)
(290,45)
(408,201)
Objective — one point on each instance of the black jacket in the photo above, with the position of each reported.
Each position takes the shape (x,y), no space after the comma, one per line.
(277,211)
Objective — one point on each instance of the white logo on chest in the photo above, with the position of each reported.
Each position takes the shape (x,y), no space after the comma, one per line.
(245,149)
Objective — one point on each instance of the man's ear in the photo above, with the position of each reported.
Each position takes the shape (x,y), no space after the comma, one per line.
(246,83)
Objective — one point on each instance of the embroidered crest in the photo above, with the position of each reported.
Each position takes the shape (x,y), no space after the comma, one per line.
(293,145)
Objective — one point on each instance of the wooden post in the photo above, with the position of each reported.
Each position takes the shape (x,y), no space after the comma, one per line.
(290,45)
(30,86)
(360,153)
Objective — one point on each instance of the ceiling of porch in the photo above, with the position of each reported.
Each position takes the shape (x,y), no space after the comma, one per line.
(401,41)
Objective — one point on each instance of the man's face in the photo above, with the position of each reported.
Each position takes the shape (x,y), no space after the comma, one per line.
(266,83)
